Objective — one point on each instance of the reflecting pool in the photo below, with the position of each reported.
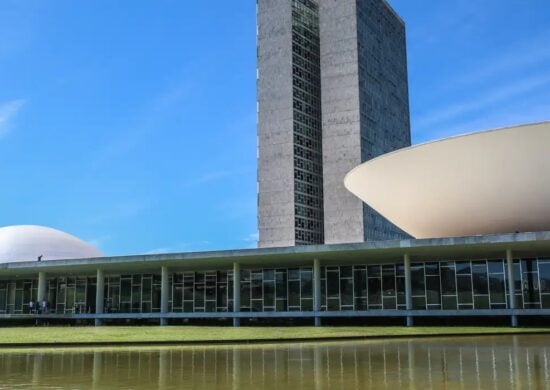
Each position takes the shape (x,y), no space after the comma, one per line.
(520,362)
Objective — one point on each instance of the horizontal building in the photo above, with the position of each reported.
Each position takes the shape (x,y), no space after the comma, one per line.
(399,279)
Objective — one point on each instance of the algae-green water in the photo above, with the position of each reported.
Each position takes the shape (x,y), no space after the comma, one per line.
(497,362)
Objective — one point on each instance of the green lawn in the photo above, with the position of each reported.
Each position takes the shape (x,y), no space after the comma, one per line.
(181,334)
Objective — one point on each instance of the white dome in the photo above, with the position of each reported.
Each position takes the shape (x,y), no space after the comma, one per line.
(26,243)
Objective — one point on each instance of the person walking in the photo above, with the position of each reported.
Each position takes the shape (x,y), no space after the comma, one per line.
(31,306)
(44,306)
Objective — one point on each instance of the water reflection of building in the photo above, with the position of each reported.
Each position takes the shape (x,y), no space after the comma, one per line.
(427,364)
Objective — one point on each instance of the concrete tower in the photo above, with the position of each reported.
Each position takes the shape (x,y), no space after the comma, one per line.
(332,93)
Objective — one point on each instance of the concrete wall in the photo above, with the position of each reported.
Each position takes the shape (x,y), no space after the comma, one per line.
(365,107)
(275,124)
(341,119)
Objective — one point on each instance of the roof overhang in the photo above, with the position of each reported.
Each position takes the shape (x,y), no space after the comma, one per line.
(376,252)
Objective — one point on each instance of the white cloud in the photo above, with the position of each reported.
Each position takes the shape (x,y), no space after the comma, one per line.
(181,247)
(159,251)
(252,237)
(252,240)
(432,123)
(8,111)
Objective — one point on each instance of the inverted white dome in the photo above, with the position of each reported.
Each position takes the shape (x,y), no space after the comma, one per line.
(483,183)
(27,242)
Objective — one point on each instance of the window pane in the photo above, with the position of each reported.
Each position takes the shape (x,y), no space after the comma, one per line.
(373,270)
(463,268)
(479,278)
(448,283)
(449,303)
(245,294)
(333,284)
(464,288)
(417,281)
(496,284)
(495,266)
(346,292)
(375,291)
(147,289)
(345,272)
(432,269)
(433,294)
(294,293)
(530,287)
(419,303)
(281,285)
(544,276)
(269,293)
(360,283)
(481,302)
(389,303)
(307,283)
(388,281)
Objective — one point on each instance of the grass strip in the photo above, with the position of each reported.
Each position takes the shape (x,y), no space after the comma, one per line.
(205,334)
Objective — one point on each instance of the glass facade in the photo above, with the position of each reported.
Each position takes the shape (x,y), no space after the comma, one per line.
(282,289)
(306,82)
(438,285)
(15,296)
(71,295)
(201,292)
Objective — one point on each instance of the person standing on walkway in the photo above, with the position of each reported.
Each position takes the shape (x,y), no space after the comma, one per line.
(44,306)
(31,307)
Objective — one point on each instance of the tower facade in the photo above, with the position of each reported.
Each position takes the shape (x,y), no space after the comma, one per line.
(332,93)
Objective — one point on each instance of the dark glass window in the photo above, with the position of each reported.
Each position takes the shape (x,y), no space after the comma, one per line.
(530,287)
(346,292)
(448,282)
(360,282)
(417,281)
(496,287)
(495,266)
(419,303)
(333,284)
(245,294)
(388,281)
(346,272)
(481,302)
(432,290)
(479,279)
(306,277)
(373,270)
(432,269)
(269,293)
(293,293)
(463,268)
(281,285)
(375,291)
(544,276)
(464,289)
(448,303)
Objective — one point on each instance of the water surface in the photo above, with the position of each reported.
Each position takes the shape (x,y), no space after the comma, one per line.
(503,362)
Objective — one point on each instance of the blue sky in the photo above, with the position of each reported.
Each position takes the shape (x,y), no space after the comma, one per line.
(132,124)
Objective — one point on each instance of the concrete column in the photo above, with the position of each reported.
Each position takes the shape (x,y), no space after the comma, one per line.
(317,290)
(41,293)
(100,296)
(511,284)
(408,288)
(164,294)
(236,292)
